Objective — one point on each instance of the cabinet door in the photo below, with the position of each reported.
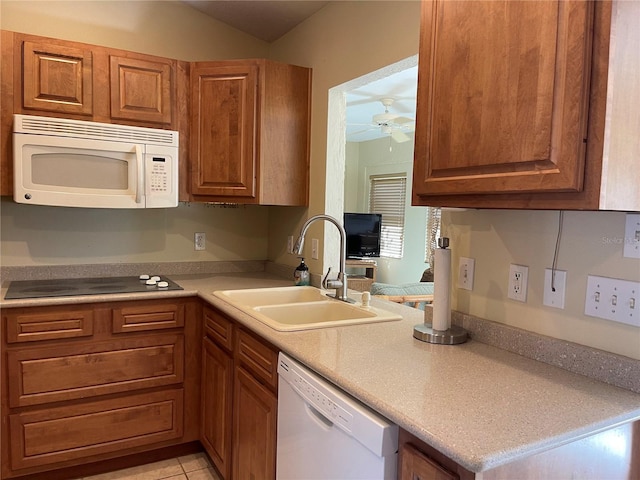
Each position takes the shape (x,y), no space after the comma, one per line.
(414,465)
(254,427)
(224,130)
(141,89)
(217,396)
(502,97)
(57,78)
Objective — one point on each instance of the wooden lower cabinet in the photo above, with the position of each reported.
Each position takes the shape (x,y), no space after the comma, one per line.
(217,398)
(77,388)
(239,400)
(589,458)
(254,428)
(415,465)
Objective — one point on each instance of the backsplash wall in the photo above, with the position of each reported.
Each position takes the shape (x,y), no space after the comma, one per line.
(37,235)
(591,244)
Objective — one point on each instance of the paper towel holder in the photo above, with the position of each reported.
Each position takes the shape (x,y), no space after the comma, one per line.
(454,334)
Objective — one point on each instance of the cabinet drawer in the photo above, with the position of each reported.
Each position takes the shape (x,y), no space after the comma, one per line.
(258,358)
(218,328)
(147,317)
(71,432)
(40,375)
(55,324)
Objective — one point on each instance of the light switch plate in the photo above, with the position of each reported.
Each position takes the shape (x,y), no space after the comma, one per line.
(466,267)
(632,236)
(613,299)
(554,291)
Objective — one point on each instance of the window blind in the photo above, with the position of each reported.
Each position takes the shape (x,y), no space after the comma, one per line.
(432,234)
(387,196)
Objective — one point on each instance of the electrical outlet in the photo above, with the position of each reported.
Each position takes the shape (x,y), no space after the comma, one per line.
(290,244)
(518,275)
(554,291)
(199,240)
(314,248)
(466,267)
(613,299)
(631,247)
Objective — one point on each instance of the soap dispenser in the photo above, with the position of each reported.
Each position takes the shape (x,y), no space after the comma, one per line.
(301,274)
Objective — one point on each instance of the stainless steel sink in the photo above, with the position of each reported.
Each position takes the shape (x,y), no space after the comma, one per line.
(301,308)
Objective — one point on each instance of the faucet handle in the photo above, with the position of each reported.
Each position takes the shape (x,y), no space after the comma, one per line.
(327,283)
(324,280)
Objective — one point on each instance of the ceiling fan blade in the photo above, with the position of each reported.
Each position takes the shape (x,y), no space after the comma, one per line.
(400,120)
(399,137)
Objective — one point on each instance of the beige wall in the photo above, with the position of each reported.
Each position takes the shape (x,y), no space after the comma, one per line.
(342,41)
(36,235)
(164,28)
(591,243)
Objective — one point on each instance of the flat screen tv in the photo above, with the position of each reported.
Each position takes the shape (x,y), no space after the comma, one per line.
(363,234)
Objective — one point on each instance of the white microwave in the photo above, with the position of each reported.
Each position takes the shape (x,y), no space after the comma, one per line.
(74,163)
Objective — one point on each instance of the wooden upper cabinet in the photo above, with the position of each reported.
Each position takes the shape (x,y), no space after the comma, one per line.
(503,95)
(57,78)
(511,104)
(249,140)
(66,79)
(224,129)
(52,77)
(141,89)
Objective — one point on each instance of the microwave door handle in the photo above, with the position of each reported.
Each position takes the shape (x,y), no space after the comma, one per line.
(139,174)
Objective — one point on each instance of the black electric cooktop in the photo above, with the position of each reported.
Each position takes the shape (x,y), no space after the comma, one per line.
(69,287)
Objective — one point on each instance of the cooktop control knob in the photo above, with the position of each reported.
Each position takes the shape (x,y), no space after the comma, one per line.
(156,278)
(163,284)
(151,281)
(144,277)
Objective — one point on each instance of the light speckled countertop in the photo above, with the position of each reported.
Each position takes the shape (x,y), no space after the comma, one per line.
(479,405)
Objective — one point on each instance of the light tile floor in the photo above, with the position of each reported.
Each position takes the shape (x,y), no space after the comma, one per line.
(189,467)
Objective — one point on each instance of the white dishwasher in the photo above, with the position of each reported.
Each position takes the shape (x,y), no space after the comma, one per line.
(325,434)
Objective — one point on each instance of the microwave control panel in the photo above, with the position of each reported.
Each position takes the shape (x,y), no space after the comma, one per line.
(160,175)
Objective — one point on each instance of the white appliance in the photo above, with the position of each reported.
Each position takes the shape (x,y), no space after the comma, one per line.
(325,434)
(75,163)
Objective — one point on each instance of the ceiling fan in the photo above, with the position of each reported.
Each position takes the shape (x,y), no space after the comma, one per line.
(389,123)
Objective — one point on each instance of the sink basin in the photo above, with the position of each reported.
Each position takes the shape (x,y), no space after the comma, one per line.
(301,308)
(272,296)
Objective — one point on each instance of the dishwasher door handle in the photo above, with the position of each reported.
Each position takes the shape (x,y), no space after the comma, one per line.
(318,417)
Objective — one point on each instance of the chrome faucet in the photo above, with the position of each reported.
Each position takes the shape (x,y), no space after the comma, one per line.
(340,285)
